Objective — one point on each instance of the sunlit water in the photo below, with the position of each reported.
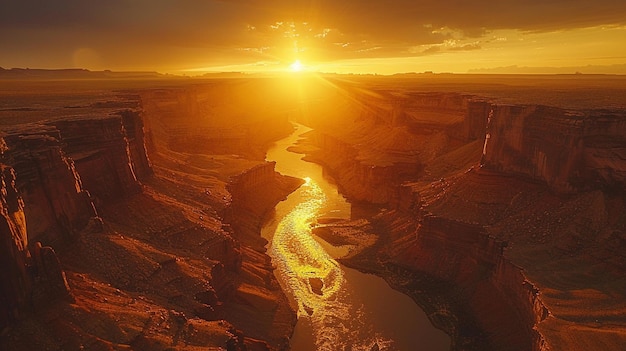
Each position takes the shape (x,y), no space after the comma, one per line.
(338,308)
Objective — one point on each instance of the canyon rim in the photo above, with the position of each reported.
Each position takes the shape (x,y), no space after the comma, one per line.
(132,207)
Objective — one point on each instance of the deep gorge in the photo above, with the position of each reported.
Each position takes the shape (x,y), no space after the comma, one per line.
(149,207)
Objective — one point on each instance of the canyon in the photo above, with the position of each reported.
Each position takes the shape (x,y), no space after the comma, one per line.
(132,209)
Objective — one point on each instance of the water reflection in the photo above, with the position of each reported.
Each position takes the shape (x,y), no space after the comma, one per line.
(338,308)
(312,277)
(310,273)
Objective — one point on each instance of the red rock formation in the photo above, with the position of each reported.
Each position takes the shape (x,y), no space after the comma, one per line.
(191,133)
(15,279)
(475,121)
(132,122)
(224,117)
(568,150)
(384,140)
(101,153)
(503,301)
(182,263)
(27,280)
(57,206)
(254,192)
(364,180)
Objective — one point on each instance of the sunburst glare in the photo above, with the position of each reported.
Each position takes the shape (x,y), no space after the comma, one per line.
(296,66)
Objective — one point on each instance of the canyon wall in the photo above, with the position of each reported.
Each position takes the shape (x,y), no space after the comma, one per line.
(384,140)
(57,205)
(361,179)
(569,150)
(182,241)
(133,127)
(16,283)
(496,292)
(65,165)
(237,116)
(102,155)
(476,117)
(208,144)
(254,193)
(31,273)
(49,171)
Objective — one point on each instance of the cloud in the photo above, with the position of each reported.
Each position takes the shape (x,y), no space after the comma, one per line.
(325,29)
(467,47)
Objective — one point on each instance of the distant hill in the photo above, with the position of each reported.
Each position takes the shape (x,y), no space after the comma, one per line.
(589,69)
(72,73)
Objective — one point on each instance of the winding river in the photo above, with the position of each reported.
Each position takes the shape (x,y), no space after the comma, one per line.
(338,308)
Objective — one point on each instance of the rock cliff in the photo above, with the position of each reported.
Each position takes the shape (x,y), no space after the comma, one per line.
(29,279)
(16,283)
(253,194)
(132,122)
(238,116)
(496,294)
(569,150)
(102,155)
(385,138)
(45,201)
(57,205)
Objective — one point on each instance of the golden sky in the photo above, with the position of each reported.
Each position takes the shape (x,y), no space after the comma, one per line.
(345,36)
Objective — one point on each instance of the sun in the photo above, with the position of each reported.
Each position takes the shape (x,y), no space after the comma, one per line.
(296,66)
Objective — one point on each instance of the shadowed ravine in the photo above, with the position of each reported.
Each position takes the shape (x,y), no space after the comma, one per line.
(338,308)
